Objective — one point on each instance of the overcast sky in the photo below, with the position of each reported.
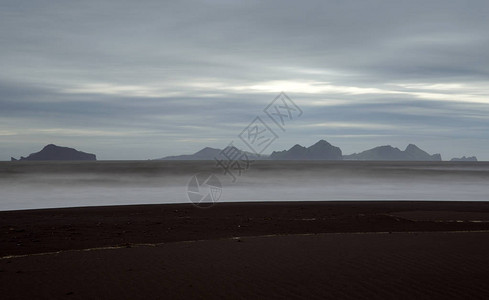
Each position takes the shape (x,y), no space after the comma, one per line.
(146,79)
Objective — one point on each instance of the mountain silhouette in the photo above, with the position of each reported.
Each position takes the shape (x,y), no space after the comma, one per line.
(206,153)
(209,153)
(322,150)
(411,153)
(53,152)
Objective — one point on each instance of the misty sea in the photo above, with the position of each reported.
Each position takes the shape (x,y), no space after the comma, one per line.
(32,185)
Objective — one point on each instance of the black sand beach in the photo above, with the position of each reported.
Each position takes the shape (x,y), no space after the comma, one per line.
(296,250)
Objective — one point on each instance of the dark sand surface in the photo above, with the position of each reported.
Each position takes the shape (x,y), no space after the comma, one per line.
(352,250)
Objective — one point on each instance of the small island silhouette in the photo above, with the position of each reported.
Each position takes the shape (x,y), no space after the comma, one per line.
(53,152)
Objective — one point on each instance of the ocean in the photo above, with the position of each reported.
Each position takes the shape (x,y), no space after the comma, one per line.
(33,185)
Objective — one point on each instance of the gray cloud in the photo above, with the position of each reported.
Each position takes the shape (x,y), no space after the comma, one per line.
(157,78)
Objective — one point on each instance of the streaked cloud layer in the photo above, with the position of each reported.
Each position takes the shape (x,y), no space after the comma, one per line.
(138,80)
